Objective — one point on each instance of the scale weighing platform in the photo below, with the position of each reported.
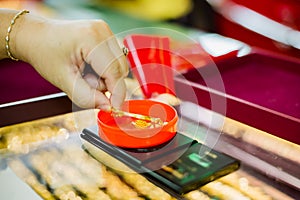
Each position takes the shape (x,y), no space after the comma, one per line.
(178,166)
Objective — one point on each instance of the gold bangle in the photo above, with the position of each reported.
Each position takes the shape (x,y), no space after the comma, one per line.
(7,38)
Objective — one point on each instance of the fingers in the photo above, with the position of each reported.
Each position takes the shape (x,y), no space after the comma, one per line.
(95,82)
(119,54)
(87,92)
(106,53)
(109,62)
(115,83)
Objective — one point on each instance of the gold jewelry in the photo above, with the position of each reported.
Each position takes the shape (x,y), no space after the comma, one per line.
(157,122)
(125,50)
(7,38)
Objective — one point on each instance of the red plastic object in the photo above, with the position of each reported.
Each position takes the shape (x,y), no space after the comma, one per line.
(262,90)
(115,130)
(150,61)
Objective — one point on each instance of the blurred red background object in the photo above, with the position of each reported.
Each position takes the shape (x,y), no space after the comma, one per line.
(269,24)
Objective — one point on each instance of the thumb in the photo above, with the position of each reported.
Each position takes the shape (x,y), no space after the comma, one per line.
(87,96)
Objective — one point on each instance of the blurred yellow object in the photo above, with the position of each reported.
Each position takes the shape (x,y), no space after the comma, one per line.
(151,10)
(12,4)
(141,124)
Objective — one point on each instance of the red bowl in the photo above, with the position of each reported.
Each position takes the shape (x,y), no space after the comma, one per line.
(119,132)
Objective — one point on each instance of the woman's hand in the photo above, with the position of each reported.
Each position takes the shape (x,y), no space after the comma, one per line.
(62,52)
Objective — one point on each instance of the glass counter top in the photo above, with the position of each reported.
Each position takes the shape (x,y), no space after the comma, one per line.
(46,159)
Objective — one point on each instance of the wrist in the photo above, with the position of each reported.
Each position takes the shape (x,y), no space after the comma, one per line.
(24,37)
(5,19)
(9,31)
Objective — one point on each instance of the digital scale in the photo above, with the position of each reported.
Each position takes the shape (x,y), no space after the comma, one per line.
(178,166)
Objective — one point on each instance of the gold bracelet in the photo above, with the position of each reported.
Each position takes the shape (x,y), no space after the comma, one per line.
(7,38)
